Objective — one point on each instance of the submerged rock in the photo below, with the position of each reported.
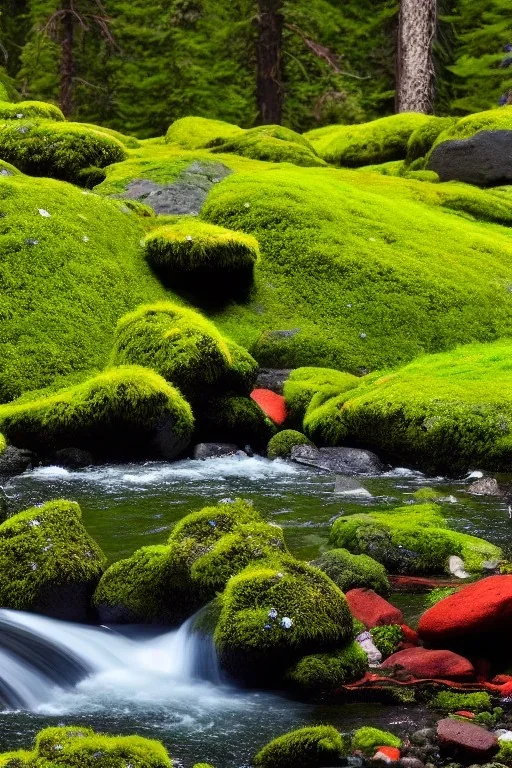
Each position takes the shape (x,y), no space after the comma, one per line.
(348,461)
(215,450)
(347,486)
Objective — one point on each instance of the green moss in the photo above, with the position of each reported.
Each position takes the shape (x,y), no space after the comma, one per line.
(504,756)
(280,446)
(234,419)
(270,143)
(257,645)
(376,142)
(443,412)
(202,765)
(427,494)
(387,638)
(43,551)
(130,142)
(124,412)
(326,672)
(58,150)
(304,383)
(3,444)
(353,571)
(422,138)
(450,701)
(90,177)
(242,373)
(490,120)
(19,759)
(37,110)
(436,595)
(311,747)
(367,739)
(197,132)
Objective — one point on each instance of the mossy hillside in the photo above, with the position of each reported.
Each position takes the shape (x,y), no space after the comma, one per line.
(235,419)
(443,412)
(321,673)
(411,539)
(376,142)
(200,132)
(280,446)
(125,412)
(38,110)
(304,383)
(57,149)
(350,571)
(130,142)
(367,739)
(65,280)
(273,615)
(311,747)
(46,550)
(270,143)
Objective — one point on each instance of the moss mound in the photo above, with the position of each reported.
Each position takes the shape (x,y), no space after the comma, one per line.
(422,139)
(350,571)
(411,540)
(270,143)
(58,150)
(38,110)
(451,701)
(387,638)
(48,562)
(210,263)
(272,614)
(491,120)
(321,673)
(376,142)
(234,419)
(312,747)
(125,412)
(74,746)
(197,132)
(367,739)
(304,384)
(280,446)
(442,412)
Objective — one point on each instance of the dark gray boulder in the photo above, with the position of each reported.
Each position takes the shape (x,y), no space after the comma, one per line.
(215,450)
(73,458)
(485,159)
(273,379)
(346,461)
(15,461)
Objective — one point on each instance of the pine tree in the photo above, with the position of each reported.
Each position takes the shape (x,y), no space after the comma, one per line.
(415,64)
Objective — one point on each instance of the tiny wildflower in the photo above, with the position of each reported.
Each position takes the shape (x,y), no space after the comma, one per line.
(247,205)
(362,335)
(272,614)
(212,523)
(85,239)
(286,622)
(189,238)
(44,213)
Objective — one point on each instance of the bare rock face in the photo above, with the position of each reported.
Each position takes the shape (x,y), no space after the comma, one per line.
(485,159)
(466,742)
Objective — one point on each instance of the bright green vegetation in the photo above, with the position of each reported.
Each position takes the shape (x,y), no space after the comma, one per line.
(74,746)
(58,150)
(311,747)
(427,494)
(273,615)
(167,583)
(124,412)
(450,701)
(38,110)
(45,551)
(443,412)
(3,444)
(367,739)
(422,138)
(128,141)
(326,672)
(387,638)
(280,446)
(350,571)
(304,384)
(208,262)
(505,753)
(199,132)
(367,143)
(491,120)
(65,280)
(436,595)
(234,419)
(271,143)
(411,539)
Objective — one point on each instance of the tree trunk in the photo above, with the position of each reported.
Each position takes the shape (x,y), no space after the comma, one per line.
(67,64)
(269,89)
(415,65)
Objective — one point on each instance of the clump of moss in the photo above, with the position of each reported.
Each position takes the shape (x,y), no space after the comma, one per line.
(212,264)
(270,143)
(490,120)
(350,571)
(427,494)
(422,138)
(436,595)
(280,446)
(411,539)
(387,638)
(3,444)
(304,384)
(38,110)
(311,747)
(240,377)
(450,701)
(326,672)
(197,132)
(234,419)
(48,559)
(125,412)
(367,739)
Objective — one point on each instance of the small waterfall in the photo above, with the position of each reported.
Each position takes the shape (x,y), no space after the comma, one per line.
(41,657)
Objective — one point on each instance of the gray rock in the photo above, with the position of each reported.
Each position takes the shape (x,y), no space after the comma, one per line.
(273,379)
(423,737)
(74,458)
(186,195)
(347,461)
(215,450)
(349,486)
(487,486)
(484,159)
(15,461)
(411,762)
(490,566)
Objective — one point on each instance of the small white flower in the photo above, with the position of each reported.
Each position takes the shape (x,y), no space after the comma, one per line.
(349,306)
(33,566)
(372,239)
(272,614)
(279,575)
(85,239)
(44,213)
(34,523)
(247,205)
(20,115)
(189,238)
(362,335)
(286,622)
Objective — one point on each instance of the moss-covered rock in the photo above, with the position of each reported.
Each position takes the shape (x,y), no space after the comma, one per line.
(321,673)
(211,264)
(366,740)
(196,132)
(312,747)
(490,120)
(280,446)
(272,615)
(48,562)
(387,638)
(125,412)
(350,571)
(304,384)
(38,110)
(427,494)
(55,149)
(422,138)
(452,701)
(412,540)
(234,419)
(270,143)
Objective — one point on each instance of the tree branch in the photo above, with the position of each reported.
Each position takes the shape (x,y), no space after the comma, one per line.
(321,52)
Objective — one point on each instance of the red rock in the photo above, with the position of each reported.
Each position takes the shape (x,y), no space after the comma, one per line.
(409,635)
(506,690)
(502,679)
(420,583)
(466,742)
(272,404)
(477,616)
(387,754)
(431,665)
(464,713)
(370,608)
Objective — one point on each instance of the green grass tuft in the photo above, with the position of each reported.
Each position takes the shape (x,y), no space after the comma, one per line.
(367,739)
(387,638)
(451,701)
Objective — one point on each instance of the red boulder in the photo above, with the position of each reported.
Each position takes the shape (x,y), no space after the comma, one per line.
(467,742)
(370,608)
(431,665)
(479,615)
(272,404)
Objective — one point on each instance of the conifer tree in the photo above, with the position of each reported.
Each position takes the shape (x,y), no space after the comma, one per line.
(415,65)
(269,45)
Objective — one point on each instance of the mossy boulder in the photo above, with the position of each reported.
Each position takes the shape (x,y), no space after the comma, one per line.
(452,701)
(367,739)
(48,562)
(272,615)
(489,120)
(126,412)
(38,110)
(234,419)
(311,747)
(280,446)
(58,150)
(271,143)
(305,384)
(211,264)
(411,540)
(324,673)
(197,132)
(423,138)
(350,571)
